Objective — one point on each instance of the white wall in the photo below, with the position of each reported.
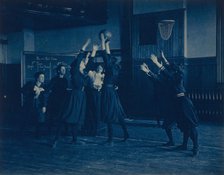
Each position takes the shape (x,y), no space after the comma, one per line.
(29,40)
(64,40)
(3,49)
(15,47)
(200,22)
(147,6)
(67,40)
(201,29)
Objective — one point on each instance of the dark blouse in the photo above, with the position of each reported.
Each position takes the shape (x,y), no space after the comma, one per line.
(77,78)
(29,94)
(58,85)
(175,78)
(111,69)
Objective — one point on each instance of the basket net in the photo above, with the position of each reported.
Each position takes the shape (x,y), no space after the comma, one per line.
(165,28)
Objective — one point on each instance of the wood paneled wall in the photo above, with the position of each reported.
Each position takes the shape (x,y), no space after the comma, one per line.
(142,90)
(203,89)
(10,97)
(201,73)
(173,47)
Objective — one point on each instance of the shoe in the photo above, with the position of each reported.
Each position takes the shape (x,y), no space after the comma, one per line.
(181,147)
(109,142)
(169,144)
(54,145)
(159,126)
(195,152)
(126,136)
(73,141)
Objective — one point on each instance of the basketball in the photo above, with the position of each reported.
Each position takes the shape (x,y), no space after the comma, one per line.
(107,34)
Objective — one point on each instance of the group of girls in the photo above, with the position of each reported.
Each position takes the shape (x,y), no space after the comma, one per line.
(94,96)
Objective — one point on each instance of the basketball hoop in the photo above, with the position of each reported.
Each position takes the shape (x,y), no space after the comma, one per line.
(165,28)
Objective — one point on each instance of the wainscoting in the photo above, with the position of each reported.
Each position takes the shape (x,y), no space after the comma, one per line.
(209,103)
(10,98)
(137,95)
(203,89)
(200,83)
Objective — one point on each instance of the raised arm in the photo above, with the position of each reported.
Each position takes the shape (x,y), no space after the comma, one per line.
(164,58)
(107,44)
(155,61)
(161,67)
(95,49)
(83,63)
(82,51)
(148,72)
(106,56)
(102,38)
(85,45)
(90,65)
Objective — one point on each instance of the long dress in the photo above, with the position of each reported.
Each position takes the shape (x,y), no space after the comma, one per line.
(112,110)
(93,93)
(32,106)
(166,105)
(186,117)
(75,109)
(185,112)
(57,97)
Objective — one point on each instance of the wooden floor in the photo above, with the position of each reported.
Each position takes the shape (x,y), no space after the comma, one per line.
(141,155)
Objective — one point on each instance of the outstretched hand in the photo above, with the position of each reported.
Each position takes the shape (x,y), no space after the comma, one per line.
(144,68)
(87,55)
(155,61)
(162,54)
(86,60)
(95,47)
(102,37)
(163,57)
(88,41)
(154,58)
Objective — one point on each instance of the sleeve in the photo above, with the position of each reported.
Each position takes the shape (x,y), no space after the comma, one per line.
(80,57)
(166,73)
(76,63)
(155,78)
(106,58)
(90,65)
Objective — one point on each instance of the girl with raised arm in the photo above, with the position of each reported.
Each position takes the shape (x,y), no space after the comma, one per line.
(93,92)
(112,110)
(74,112)
(186,117)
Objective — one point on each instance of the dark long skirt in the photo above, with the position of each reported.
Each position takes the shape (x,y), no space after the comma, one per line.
(168,110)
(93,111)
(186,115)
(112,110)
(75,109)
(55,107)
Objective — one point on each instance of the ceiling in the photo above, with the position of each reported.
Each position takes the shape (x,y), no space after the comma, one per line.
(50,14)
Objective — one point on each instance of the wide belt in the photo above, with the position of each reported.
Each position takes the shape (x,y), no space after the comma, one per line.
(180,94)
(109,85)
